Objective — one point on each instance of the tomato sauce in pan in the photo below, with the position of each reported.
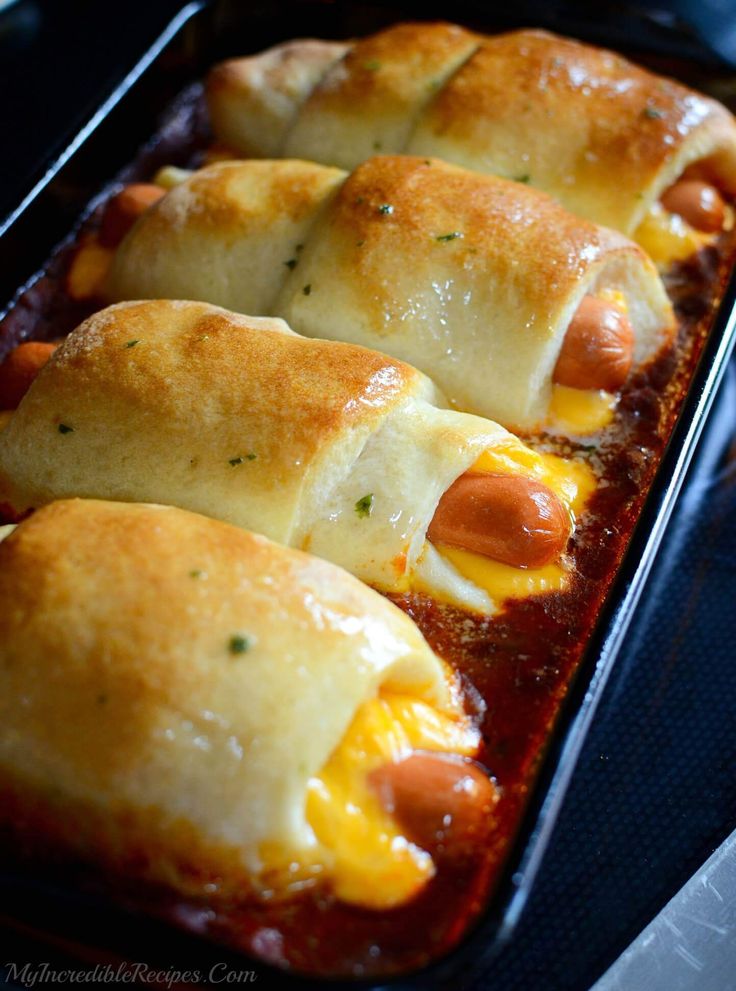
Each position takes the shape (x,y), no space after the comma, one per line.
(517,666)
(520,664)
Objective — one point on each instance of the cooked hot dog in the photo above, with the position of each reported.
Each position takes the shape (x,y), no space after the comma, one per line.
(440,799)
(510,518)
(19,369)
(598,348)
(123,209)
(698,203)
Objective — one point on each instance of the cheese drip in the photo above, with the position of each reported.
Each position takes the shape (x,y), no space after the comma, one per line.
(572,482)
(169,176)
(668,238)
(580,411)
(370,861)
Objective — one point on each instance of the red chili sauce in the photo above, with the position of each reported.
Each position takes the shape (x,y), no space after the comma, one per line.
(517,665)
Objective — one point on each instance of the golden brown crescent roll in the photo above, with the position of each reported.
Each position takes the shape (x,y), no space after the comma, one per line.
(604,136)
(254,100)
(473,279)
(324,446)
(192,704)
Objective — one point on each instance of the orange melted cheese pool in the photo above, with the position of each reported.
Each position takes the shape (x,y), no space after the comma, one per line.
(572,482)
(368,858)
(667,238)
(580,411)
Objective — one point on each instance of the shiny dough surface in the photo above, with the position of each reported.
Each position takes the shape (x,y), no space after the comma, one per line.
(471,278)
(604,136)
(324,446)
(130,727)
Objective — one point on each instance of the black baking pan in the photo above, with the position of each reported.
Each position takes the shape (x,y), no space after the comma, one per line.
(199,36)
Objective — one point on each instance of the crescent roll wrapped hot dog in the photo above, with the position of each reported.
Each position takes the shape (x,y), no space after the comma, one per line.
(611,141)
(191,704)
(480,282)
(324,446)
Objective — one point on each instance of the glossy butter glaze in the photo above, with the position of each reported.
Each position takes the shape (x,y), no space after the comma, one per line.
(517,668)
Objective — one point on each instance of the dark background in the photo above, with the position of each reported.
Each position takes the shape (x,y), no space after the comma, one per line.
(57,61)
(655,790)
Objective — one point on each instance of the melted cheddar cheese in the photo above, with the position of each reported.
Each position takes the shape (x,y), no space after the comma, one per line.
(580,411)
(170,176)
(667,238)
(504,581)
(572,482)
(373,864)
(89,269)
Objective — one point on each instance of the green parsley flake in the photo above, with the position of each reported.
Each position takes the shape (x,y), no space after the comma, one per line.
(449,237)
(364,506)
(377,146)
(524,177)
(196,573)
(653,113)
(238,644)
(307,289)
(372,66)
(131,344)
(234,462)
(385,208)
(65,429)
(359,244)
(292,263)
